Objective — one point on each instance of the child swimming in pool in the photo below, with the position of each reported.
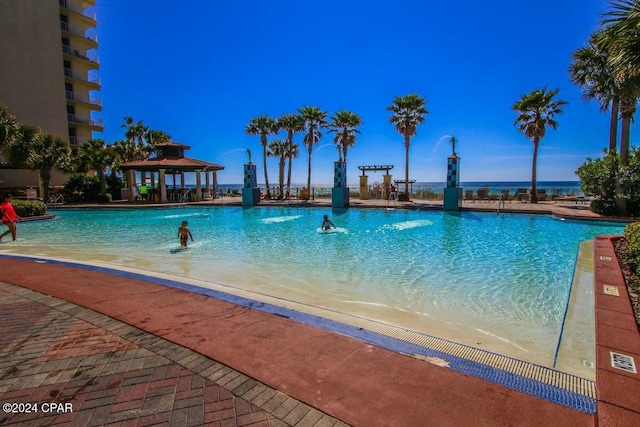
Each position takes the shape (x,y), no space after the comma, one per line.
(184,234)
(326,223)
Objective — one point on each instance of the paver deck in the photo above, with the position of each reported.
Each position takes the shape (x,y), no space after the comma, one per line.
(118,349)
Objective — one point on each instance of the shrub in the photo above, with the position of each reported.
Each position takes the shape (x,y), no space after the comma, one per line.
(632,234)
(81,188)
(25,208)
(603,207)
(103,198)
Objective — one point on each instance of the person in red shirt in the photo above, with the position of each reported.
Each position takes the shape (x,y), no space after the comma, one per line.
(9,217)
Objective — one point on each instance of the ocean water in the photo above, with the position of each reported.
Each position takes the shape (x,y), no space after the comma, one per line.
(499,282)
(495,187)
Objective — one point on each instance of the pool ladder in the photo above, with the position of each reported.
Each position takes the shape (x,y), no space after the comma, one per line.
(394,195)
(500,202)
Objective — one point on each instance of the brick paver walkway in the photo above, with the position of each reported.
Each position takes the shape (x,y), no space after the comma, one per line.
(83,368)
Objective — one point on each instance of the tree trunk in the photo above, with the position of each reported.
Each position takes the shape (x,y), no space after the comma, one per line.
(407,143)
(312,132)
(264,161)
(621,201)
(45,177)
(281,176)
(534,189)
(289,166)
(613,127)
(103,182)
(624,140)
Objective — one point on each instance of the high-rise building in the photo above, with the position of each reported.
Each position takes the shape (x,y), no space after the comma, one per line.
(48,66)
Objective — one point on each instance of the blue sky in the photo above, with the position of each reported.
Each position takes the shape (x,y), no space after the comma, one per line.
(201,72)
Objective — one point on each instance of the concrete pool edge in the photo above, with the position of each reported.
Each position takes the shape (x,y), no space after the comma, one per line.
(552,385)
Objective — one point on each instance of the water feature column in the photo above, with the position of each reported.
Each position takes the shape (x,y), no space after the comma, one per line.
(453,192)
(339,192)
(364,187)
(250,190)
(386,185)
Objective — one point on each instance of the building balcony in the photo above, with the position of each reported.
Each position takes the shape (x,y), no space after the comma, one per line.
(87,14)
(75,141)
(97,124)
(84,98)
(83,77)
(75,53)
(89,37)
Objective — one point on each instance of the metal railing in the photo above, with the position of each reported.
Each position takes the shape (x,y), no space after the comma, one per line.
(81,97)
(88,12)
(68,72)
(89,56)
(72,118)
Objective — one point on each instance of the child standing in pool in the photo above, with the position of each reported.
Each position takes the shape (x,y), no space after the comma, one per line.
(326,223)
(184,234)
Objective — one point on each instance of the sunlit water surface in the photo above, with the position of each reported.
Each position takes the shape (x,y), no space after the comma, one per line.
(496,281)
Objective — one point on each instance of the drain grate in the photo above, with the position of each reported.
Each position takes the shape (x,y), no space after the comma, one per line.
(623,362)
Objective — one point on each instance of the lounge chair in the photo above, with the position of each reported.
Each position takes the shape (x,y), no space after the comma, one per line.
(483,194)
(522,195)
(468,195)
(504,196)
(541,195)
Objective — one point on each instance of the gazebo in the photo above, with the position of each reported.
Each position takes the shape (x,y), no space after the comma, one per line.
(170,160)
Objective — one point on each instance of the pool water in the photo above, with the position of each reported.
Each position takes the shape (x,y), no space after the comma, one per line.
(495,281)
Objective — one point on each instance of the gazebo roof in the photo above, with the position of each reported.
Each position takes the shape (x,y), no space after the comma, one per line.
(172,144)
(182,164)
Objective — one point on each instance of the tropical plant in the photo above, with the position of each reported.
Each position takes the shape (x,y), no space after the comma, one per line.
(592,71)
(96,155)
(408,112)
(624,21)
(314,120)
(263,126)
(344,124)
(8,126)
(282,150)
(536,110)
(291,123)
(34,150)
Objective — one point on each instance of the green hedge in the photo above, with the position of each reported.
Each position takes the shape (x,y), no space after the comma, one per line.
(25,208)
(632,234)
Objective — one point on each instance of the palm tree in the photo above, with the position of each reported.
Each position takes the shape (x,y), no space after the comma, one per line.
(344,123)
(623,20)
(96,155)
(281,149)
(263,126)
(592,71)
(408,112)
(291,123)
(536,111)
(39,151)
(8,126)
(314,120)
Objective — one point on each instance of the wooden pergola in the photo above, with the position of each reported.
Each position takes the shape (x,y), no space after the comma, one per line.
(170,160)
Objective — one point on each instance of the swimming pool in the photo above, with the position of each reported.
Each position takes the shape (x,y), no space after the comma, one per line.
(499,282)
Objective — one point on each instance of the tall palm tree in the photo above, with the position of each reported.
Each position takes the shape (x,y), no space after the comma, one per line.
(408,112)
(344,124)
(96,155)
(291,123)
(263,126)
(536,110)
(136,132)
(8,126)
(592,71)
(39,151)
(624,21)
(282,150)
(314,120)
